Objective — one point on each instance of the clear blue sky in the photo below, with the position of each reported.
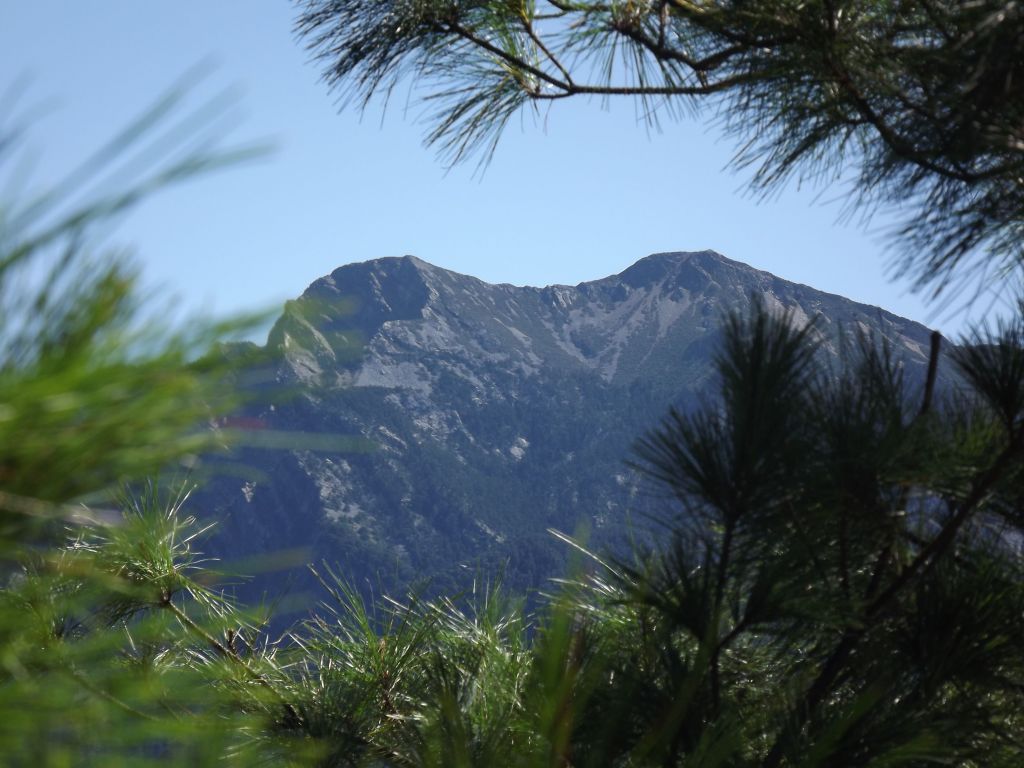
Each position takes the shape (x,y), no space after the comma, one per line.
(579,195)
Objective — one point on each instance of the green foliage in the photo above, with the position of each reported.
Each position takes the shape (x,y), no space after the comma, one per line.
(93,388)
(833,543)
(102,666)
(851,594)
(95,391)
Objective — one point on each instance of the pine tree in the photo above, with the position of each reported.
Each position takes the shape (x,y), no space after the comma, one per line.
(95,392)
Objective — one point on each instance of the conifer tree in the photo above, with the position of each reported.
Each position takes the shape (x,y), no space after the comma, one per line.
(95,392)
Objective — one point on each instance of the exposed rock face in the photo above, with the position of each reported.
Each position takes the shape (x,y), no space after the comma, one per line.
(448,423)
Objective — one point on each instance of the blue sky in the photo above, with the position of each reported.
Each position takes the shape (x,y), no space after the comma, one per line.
(578,194)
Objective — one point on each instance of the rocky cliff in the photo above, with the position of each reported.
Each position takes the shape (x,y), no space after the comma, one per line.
(414,423)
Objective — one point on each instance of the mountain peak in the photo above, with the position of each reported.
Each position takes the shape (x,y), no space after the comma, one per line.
(685,256)
(691,269)
(624,326)
(649,269)
(528,398)
(383,265)
(419,263)
(705,258)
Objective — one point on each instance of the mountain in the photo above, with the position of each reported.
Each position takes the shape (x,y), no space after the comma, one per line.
(412,423)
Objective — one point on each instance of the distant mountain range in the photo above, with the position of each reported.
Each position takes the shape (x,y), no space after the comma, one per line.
(412,423)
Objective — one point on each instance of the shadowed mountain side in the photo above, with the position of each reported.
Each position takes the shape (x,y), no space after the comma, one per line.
(435,426)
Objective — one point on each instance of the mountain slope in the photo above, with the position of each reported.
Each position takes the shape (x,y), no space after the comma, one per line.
(440,425)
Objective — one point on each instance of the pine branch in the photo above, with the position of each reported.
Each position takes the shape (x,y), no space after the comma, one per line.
(875,610)
(230,654)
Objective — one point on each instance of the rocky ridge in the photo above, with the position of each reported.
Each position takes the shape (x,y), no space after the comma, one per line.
(440,425)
